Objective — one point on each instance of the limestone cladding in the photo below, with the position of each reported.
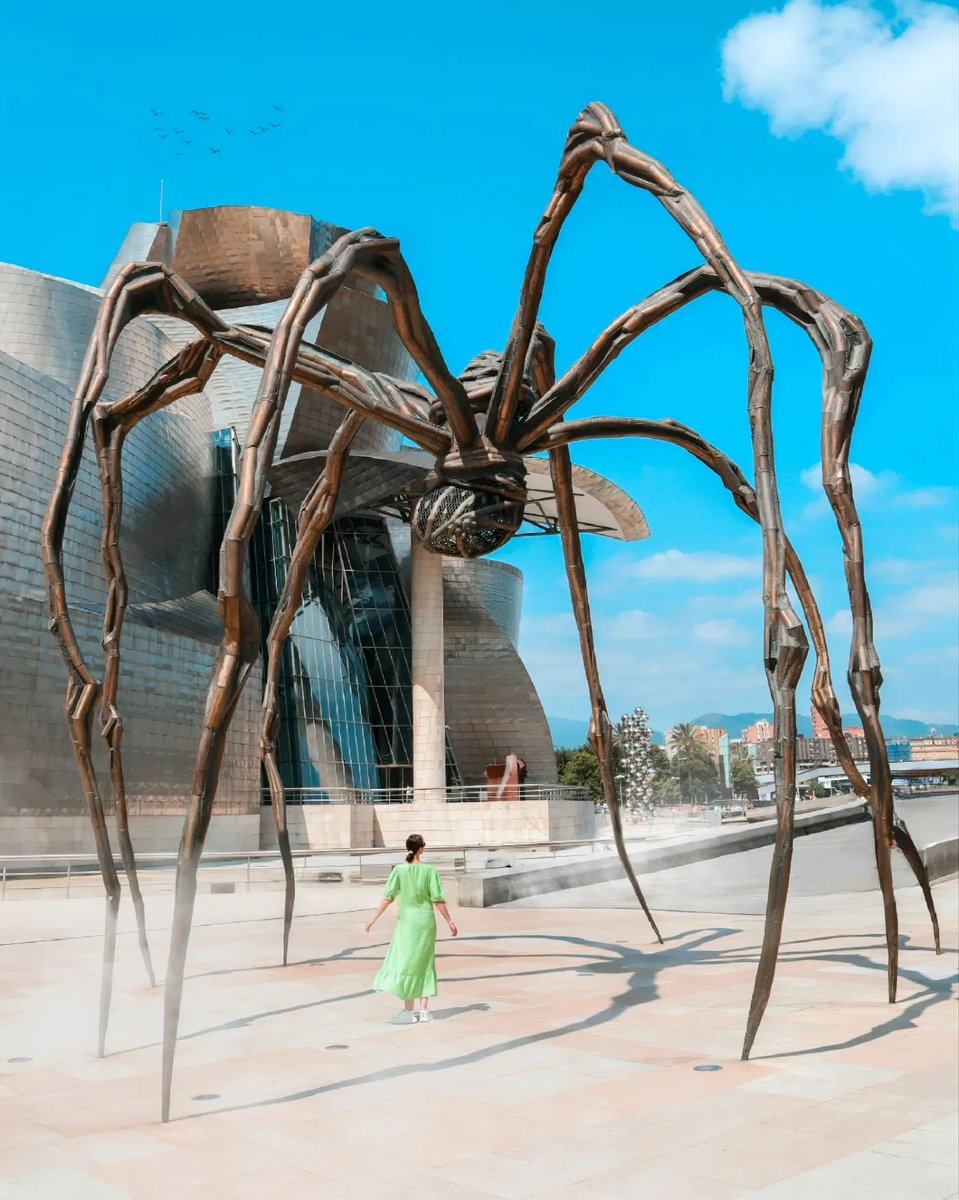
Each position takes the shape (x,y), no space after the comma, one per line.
(429,710)
(38,835)
(485,823)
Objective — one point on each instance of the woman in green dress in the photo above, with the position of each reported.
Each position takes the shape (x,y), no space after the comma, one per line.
(409,969)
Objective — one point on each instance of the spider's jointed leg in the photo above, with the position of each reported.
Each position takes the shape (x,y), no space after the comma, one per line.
(790,665)
(315,515)
(597,136)
(844,344)
(139,288)
(369,253)
(600,728)
(187,373)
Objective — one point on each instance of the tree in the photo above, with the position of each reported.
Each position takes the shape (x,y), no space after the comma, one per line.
(581,769)
(745,782)
(695,769)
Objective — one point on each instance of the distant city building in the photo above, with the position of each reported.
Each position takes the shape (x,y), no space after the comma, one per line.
(754,735)
(926,749)
(811,752)
(854,731)
(819,727)
(716,742)
(899,750)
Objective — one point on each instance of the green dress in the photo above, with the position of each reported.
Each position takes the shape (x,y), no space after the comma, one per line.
(409,969)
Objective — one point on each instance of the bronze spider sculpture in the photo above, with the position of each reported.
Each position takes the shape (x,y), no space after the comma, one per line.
(478,427)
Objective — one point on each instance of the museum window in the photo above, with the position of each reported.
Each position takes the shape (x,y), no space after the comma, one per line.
(345,687)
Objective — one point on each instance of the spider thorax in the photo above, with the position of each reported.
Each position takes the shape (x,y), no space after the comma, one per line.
(471,517)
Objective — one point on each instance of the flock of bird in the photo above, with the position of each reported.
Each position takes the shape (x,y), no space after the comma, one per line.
(197,125)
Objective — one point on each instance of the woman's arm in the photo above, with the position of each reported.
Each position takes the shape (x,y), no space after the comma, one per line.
(384,905)
(441,905)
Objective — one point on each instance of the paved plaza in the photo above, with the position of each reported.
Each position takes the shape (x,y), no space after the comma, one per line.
(562,1064)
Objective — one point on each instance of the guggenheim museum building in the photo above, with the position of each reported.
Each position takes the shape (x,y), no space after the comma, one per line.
(347,715)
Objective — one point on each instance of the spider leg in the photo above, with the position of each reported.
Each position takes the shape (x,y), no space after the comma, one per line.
(824,694)
(187,373)
(598,135)
(844,345)
(137,289)
(365,251)
(399,404)
(315,515)
(790,665)
(600,728)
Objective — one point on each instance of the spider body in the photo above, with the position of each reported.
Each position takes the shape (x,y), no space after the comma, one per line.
(473,516)
(477,426)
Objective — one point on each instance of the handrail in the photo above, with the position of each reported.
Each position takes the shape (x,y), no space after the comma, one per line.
(37,865)
(456,794)
(228,856)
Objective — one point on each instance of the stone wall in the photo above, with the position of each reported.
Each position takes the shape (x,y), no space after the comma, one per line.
(40,835)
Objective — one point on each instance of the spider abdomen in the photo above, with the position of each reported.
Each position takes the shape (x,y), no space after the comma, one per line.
(468,520)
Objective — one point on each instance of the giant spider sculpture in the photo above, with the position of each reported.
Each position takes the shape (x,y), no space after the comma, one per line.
(478,427)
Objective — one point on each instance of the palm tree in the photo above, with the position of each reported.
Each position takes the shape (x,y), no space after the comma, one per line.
(683,739)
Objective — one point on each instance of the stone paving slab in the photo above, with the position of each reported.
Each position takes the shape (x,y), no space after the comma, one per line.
(561,1062)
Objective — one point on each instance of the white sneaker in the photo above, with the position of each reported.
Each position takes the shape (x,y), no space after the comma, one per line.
(425,1015)
(406,1017)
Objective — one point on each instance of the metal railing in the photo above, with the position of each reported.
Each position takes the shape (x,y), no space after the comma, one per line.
(458,794)
(362,863)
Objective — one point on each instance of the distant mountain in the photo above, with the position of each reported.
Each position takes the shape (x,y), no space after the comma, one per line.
(735,723)
(568,732)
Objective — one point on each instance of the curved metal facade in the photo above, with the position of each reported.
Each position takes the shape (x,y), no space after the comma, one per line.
(348,705)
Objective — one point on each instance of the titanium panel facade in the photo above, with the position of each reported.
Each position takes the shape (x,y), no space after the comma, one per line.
(347,693)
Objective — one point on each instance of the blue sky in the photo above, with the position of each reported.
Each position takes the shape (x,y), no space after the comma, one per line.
(816,144)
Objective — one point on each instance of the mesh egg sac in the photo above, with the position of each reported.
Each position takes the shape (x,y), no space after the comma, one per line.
(465,522)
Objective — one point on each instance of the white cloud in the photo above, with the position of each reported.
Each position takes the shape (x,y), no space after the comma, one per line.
(634,625)
(868,485)
(865,483)
(705,566)
(927,497)
(907,570)
(932,607)
(840,623)
(724,632)
(888,89)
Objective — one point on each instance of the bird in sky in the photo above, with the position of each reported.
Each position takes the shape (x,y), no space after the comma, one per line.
(178,131)
(229,131)
(276,108)
(187,141)
(273,125)
(200,116)
(156,112)
(164,136)
(213,150)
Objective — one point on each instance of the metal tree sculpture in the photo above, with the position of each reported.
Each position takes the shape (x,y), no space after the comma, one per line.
(637,764)
(478,427)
